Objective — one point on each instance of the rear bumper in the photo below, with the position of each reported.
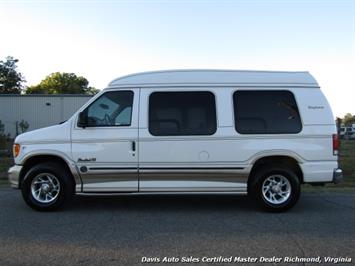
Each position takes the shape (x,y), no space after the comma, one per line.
(337,175)
(14,175)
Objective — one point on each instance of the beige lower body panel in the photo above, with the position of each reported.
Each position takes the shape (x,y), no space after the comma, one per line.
(110,181)
(201,180)
(165,180)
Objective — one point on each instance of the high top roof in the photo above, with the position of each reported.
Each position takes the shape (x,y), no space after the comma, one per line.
(241,78)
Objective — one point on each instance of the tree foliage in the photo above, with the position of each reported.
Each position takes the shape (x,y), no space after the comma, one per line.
(10,79)
(349,119)
(62,83)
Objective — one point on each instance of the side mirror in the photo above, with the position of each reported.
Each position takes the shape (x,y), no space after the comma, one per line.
(83,120)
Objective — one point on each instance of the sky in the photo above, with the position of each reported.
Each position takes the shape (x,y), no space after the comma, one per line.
(102,40)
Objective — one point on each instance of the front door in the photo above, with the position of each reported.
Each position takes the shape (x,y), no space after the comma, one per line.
(105,150)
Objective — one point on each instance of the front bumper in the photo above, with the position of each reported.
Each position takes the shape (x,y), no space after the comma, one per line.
(14,175)
(337,175)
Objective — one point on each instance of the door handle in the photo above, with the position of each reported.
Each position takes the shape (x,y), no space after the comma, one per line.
(133,145)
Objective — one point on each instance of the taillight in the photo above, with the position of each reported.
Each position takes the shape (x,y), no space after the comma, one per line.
(336,144)
(16,149)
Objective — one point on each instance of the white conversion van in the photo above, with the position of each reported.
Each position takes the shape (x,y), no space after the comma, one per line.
(260,133)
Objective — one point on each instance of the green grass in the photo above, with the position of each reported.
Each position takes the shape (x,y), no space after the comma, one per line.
(4,183)
(5,164)
(347,162)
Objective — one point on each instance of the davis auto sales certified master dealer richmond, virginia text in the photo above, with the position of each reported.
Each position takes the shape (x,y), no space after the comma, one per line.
(220,259)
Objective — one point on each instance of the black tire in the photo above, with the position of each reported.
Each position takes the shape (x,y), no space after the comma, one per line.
(64,179)
(255,188)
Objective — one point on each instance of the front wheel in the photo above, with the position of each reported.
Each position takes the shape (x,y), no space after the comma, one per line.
(47,186)
(275,188)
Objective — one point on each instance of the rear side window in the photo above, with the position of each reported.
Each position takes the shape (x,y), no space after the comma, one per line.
(266,112)
(182,113)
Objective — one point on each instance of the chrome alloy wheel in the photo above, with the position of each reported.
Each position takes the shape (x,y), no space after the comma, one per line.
(45,188)
(276,189)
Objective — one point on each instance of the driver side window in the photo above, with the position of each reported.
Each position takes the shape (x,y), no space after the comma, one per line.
(113,108)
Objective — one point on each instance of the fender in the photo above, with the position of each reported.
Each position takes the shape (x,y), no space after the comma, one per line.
(268,153)
(71,164)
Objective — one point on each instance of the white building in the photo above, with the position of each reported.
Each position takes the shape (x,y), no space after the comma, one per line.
(38,110)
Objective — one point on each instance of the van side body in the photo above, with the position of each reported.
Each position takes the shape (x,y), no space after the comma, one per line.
(186,131)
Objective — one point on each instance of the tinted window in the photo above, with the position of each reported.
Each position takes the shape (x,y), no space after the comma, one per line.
(266,112)
(182,113)
(111,109)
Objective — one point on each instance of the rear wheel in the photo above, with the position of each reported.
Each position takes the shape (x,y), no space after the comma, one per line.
(47,186)
(275,188)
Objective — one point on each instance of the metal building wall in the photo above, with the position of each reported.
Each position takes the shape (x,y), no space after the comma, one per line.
(38,110)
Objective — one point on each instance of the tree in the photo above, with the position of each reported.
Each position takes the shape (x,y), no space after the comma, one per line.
(349,119)
(338,122)
(10,79)
(62,83)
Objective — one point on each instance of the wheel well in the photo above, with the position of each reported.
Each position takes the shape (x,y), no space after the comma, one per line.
(32,161)
(272,160)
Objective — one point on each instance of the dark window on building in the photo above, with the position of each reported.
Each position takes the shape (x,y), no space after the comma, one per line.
(182,113)
(111,109)
(266,112)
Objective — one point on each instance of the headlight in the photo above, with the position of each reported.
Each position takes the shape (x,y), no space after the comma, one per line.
(16,149)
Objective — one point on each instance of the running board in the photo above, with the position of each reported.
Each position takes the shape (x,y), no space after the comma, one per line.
(161,193)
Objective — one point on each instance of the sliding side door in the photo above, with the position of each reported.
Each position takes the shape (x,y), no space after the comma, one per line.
(180,143)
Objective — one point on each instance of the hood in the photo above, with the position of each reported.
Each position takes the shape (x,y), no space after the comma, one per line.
(57,133)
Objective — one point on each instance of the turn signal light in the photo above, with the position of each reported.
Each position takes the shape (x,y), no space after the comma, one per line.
(16,149)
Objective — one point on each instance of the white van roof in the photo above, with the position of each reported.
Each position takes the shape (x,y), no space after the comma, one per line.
(193,78)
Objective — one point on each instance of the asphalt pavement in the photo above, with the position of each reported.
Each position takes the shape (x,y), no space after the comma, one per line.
(127,230)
